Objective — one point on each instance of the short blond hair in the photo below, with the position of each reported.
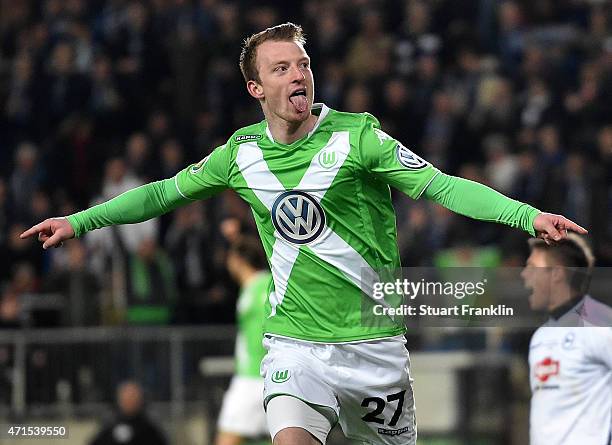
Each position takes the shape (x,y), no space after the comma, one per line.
(286,32)
(573,253)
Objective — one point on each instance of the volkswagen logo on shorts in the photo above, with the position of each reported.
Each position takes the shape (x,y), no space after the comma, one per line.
(408,159)
(298,217)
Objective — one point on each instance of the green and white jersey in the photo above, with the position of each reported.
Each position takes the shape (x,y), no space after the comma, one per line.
(323,210)
(250,315)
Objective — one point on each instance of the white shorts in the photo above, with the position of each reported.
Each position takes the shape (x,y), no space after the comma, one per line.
(367,384)
(242,411)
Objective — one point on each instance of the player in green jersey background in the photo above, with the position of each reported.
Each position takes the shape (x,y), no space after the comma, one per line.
(317,181)
(242,416)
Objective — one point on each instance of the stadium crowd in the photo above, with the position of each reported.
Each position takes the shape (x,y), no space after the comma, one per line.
(100,96)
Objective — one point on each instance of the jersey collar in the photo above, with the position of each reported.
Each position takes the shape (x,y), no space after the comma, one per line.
(566,307)
(319,108)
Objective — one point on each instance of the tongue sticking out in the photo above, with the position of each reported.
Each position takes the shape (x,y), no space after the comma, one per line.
(299,102)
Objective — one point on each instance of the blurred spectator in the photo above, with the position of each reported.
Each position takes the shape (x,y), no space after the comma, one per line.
(27,177)
(333,84)
(106,99)
(132,425)
(358,98)
(588,105)
(371,43)
(426,79)
(579,190)
(76,161)
(536,104)
(529,183)
(415,241)
(440,130)
(466,78)
(151,289)
(118,178)
(186,241)
(399,117)
(68,90)
(10,309)
(159,128)
(79,286)
(172,160)
(415,37)
(139,158)
(205,133)
(231,229)
(19,106)
(40,206)
(82,41)
(551,157)
(330,42)
(501,169)
(511,36)
(496,108)
(13,312)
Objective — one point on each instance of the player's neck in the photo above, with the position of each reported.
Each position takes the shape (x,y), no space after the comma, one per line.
(288,132)
(566,299)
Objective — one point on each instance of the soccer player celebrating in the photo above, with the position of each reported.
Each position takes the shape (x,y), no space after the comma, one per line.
(318,182)
(242,416)
(570,359)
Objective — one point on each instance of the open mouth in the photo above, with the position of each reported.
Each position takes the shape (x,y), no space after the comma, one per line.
(299,100)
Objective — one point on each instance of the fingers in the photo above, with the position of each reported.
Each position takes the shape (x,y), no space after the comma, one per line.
(551,232)
(567,224)
(34,230)
(553,228)
(51,232)
(53,241)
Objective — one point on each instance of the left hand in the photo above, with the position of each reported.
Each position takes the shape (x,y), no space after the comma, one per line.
(553,228)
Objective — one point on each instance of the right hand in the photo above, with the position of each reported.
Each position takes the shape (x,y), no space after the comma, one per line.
(51,232)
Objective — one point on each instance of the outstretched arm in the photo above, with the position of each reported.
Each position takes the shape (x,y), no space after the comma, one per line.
(478,201)
(134,206)
(197,181)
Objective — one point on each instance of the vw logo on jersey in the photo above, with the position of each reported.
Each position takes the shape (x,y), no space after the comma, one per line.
(298,217)
(408,159)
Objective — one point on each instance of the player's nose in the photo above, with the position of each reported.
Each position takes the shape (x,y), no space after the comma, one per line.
(297,75)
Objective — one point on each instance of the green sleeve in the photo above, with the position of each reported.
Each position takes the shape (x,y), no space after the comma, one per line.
(391,162)
(478,201)
(197,181)
(134,206)
(206,178)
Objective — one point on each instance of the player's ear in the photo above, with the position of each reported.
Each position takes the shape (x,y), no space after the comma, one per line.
(558,274)
(255,89)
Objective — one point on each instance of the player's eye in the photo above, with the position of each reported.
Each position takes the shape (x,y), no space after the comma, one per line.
(305,65)
(280,68)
